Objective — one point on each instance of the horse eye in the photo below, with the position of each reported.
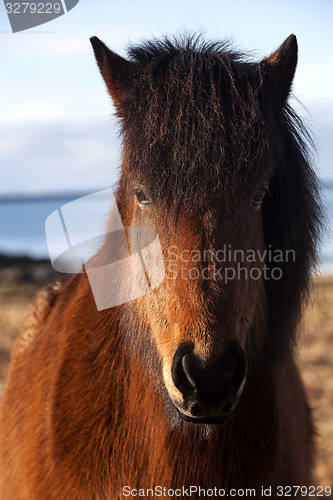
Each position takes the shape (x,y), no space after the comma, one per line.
(142,198)
(259,198)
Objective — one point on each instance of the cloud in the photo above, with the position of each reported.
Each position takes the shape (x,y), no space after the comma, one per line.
(58,156)
(312,83)
(33,111)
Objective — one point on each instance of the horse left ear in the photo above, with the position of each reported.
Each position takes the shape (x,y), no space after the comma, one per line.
(115,70)
(282,65)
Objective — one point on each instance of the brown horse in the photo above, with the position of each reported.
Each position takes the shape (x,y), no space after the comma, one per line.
(193,384)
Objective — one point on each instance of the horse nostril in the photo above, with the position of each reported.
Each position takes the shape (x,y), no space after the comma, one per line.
(196,410)
(227,367)
(227,406)
(241,367)
(190,366)
(181,369)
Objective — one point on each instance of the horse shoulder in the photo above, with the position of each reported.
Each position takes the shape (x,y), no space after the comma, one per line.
(18,400)
(36,318)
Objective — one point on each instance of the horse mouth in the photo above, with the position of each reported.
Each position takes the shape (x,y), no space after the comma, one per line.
(206,417)
(217,420)
(197,413)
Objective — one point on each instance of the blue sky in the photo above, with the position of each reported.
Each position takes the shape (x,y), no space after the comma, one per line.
(57,131)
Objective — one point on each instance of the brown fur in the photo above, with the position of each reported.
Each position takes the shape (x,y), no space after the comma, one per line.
(87,408)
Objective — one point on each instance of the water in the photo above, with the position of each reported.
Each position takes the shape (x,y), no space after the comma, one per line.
(22,225)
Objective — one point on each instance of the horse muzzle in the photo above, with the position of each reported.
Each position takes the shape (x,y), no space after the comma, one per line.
(210,388)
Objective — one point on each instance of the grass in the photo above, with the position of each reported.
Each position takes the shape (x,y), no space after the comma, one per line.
(316,363)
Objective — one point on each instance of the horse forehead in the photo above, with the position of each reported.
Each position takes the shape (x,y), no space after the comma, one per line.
(207,223)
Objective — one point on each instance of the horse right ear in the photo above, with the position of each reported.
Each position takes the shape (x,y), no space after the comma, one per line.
(282,65)
(115,70)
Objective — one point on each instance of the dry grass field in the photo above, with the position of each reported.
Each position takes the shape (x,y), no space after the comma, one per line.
(316,362)
(315,353)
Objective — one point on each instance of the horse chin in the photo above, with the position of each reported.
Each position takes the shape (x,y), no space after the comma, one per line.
(218,420)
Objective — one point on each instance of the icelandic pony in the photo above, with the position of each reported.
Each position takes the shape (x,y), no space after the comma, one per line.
(195,382)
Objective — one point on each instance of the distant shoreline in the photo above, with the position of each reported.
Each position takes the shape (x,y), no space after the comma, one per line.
(21,269)
(72,195)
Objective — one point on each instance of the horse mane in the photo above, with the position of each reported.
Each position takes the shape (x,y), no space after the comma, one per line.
(293,218)
(225,119)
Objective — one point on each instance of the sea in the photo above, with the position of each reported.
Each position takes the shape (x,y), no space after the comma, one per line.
(22,223)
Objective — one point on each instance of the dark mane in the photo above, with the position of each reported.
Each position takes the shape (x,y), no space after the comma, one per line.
(168,48)
(293,218)
(225,121)
(188,86)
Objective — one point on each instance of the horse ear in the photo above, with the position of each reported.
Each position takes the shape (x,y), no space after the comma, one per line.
(282,65)
(115,70)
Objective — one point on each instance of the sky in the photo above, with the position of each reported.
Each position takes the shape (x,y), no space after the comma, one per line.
(57,130)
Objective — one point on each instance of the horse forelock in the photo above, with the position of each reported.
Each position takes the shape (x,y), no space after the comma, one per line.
(197,119)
